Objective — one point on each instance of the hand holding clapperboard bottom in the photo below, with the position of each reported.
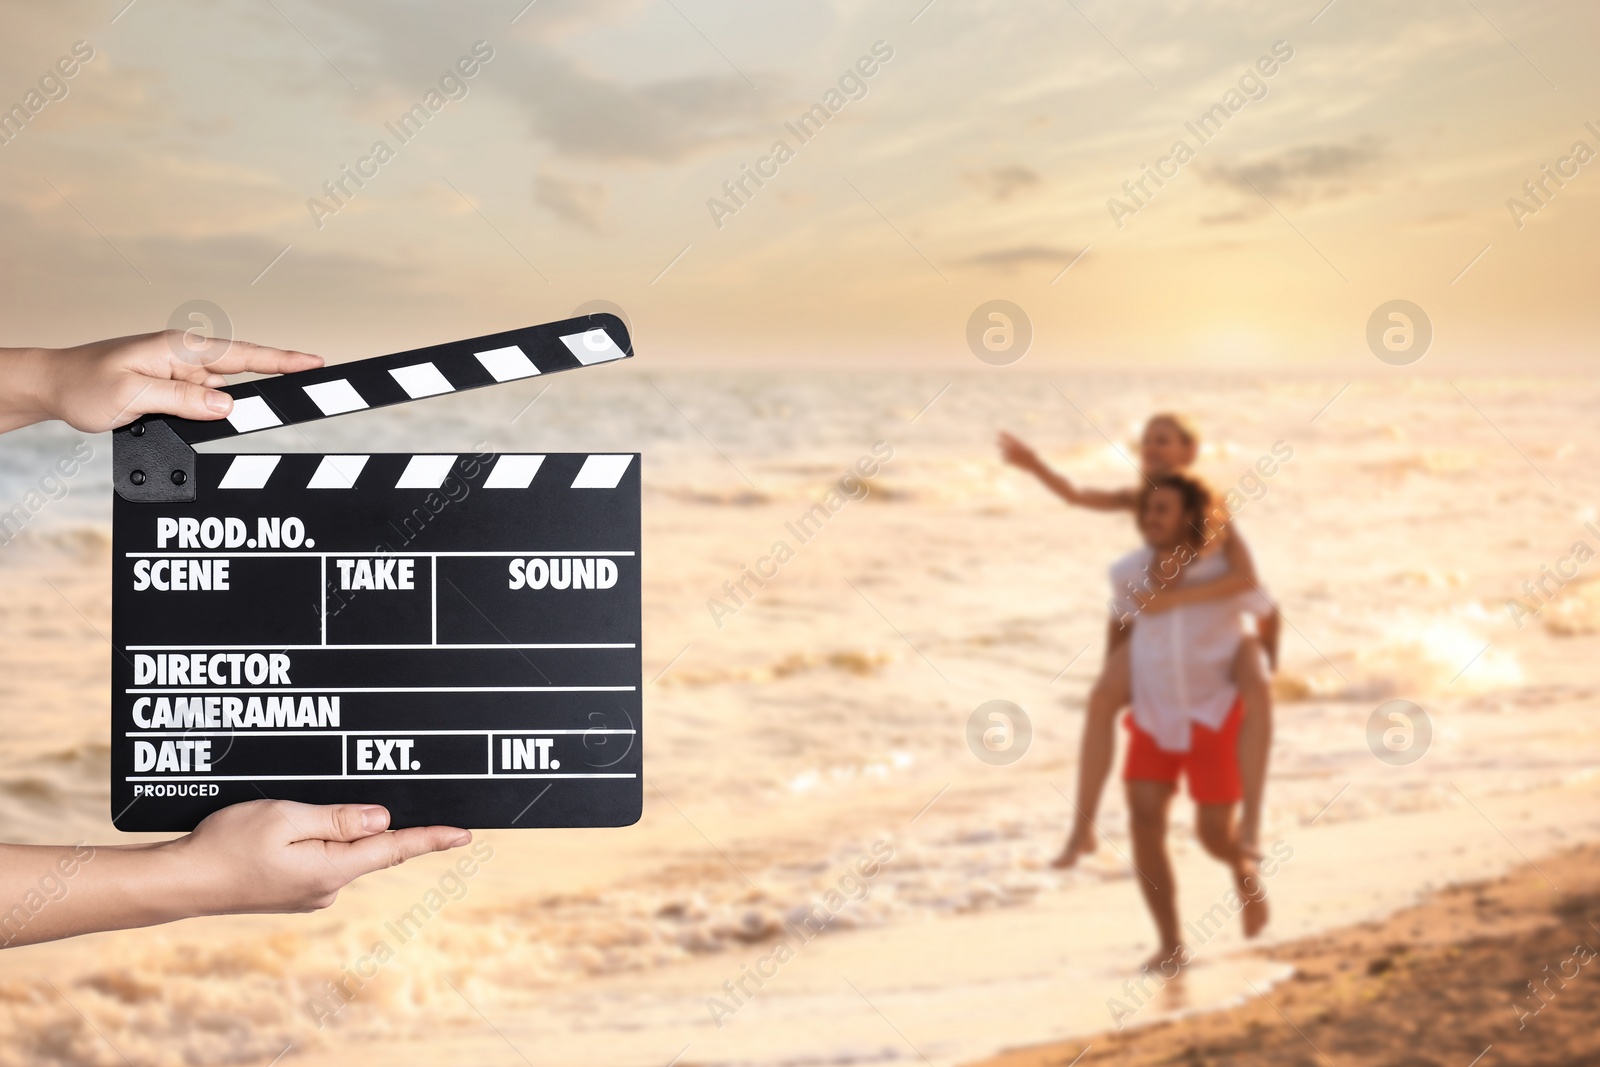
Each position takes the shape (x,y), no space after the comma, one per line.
(309,650)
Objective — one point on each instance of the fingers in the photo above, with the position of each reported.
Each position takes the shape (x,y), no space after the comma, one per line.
(166,396)
(191,388)
(390,850)
(239,356)
(199,373)
(329,822)
(335,822)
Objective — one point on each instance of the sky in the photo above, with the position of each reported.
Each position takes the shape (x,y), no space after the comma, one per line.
(983,158)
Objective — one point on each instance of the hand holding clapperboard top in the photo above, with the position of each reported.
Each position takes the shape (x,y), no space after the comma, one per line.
(453,636)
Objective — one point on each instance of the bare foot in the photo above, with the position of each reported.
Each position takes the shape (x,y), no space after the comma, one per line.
(1255,913)
(1082,841)
(1169,962)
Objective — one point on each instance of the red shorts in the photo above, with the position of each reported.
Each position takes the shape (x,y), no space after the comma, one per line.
(1211,764)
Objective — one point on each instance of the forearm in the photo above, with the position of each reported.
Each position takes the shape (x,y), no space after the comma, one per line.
(1054,482)
(1239,578)
(1267,629)
(1231,584)
(1094,499)
(1020,455)
(25,387)
(1241,562)
(49,892)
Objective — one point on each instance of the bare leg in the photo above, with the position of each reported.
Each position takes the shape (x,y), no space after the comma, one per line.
(1109,696)
(1215,827)
(1147,812)
(1255,738)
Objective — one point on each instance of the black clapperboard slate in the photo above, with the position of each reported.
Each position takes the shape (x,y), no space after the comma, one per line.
(454,636)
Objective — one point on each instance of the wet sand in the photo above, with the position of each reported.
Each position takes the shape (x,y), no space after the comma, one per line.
(1497,972)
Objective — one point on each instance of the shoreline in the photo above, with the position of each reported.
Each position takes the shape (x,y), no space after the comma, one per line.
(1036,980)
(1500,971)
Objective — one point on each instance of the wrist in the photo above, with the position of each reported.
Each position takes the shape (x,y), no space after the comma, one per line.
(30,385)
(191,879)
(169,881)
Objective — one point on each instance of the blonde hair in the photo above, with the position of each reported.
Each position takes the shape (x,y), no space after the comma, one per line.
(1182,424)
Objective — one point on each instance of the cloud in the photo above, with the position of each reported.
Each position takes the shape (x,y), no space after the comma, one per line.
(1006,260)
(161,191)
(74,283)
(1300,174)
(661,121)
(576,203)
(1002,183)
(554,19)
(575,109)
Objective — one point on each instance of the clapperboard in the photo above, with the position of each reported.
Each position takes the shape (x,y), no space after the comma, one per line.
(454,636)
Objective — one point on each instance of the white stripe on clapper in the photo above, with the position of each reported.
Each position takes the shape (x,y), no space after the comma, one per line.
(337,472)
(513,472)
(335,397)
(592,346)
(251,413)
(507,364)
(422,379)
(601,472)
(425,472)
(249,472)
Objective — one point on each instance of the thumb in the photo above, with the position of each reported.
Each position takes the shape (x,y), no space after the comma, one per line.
(390,850)
(167,396)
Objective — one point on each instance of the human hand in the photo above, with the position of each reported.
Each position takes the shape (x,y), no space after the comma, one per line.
(1018,453)
(106,384)
(281,856)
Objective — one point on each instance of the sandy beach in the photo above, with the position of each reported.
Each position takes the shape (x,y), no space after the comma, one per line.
(1498,971)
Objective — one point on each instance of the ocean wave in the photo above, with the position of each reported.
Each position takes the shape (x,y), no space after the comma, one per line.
(1410,658)
(856,661)
(38,808)
(75,542)
(876,490)
(1575,610)
(246,997)
(1439,463)
(734,497)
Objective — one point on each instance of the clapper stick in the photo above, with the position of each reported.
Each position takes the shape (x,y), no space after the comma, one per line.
(453,636)
(148,455)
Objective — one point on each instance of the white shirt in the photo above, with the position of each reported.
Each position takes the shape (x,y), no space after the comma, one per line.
(1181,660)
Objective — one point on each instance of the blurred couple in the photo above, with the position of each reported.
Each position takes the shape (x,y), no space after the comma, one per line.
(1191,643)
